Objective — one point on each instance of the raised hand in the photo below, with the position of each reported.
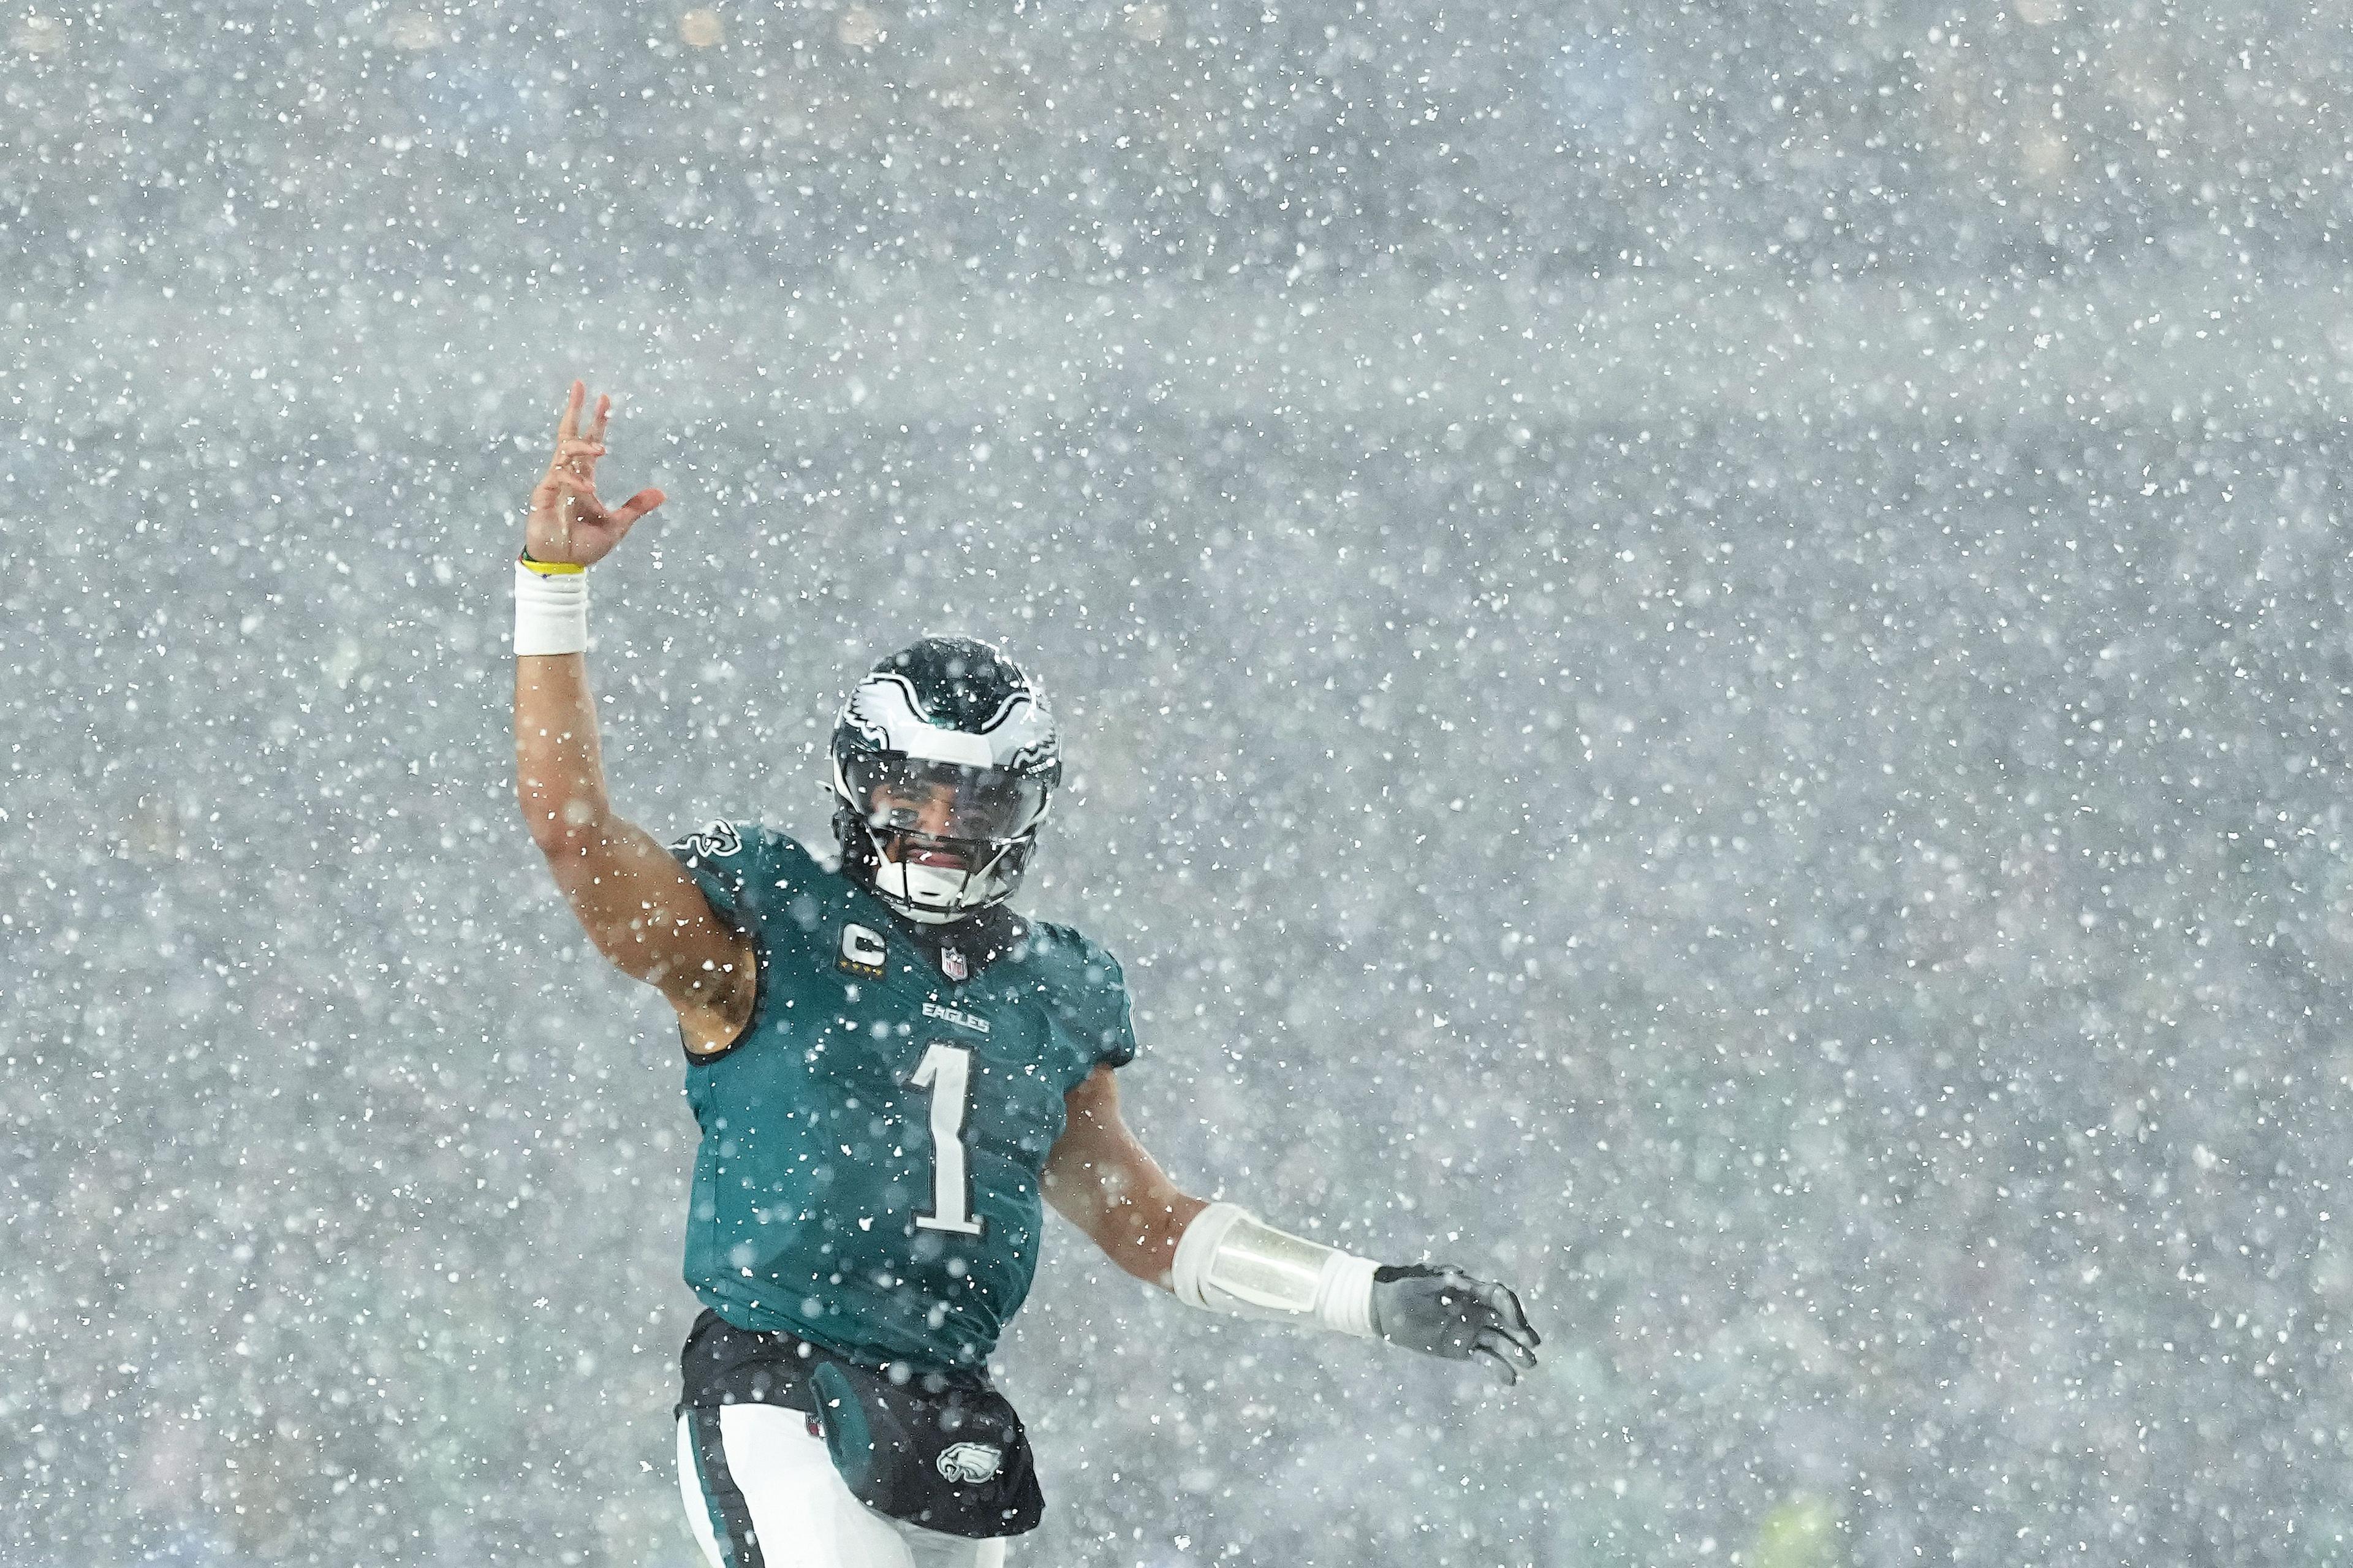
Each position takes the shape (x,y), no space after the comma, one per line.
(567,522)
(1445,1312)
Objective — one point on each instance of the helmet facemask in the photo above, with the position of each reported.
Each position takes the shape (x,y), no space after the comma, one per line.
(936,841)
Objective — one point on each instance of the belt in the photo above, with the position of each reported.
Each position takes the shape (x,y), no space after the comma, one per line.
(723,1364)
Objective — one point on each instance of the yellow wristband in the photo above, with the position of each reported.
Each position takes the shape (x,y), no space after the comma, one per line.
(549,568)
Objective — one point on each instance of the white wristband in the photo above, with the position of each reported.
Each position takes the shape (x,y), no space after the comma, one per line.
(551,612)
(1230,1260)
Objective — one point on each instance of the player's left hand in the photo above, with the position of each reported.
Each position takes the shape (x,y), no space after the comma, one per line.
(1443,1312)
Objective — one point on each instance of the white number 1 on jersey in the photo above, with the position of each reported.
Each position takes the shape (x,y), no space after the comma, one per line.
(947,1071)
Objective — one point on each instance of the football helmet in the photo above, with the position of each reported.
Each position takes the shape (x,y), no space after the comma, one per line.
(944,761)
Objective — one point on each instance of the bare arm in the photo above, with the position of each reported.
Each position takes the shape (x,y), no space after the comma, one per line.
(1101,1179)
(638,905)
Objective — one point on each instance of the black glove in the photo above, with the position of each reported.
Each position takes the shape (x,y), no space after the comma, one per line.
(1444,1311)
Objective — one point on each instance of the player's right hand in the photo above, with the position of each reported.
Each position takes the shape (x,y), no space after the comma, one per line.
(567,522)
(1444,1311)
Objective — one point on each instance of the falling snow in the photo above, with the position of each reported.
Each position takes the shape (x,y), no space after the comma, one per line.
(1703,653)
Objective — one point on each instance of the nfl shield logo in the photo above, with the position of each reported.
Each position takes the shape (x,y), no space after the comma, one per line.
(952,963)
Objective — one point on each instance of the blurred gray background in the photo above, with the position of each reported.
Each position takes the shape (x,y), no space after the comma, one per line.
(1703,652)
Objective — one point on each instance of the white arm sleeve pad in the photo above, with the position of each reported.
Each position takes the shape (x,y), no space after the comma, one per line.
(1230,1260)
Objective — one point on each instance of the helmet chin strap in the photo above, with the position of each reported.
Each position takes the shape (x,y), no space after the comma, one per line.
(944,890)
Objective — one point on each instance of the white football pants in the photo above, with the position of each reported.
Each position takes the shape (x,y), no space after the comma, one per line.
(762,1492)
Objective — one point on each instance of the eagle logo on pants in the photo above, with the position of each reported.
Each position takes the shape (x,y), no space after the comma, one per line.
(970,1463)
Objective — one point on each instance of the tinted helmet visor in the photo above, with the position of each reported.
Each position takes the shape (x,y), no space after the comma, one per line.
(901,794)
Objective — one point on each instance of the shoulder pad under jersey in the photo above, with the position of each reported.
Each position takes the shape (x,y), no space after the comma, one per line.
(1086,993)
(745,869)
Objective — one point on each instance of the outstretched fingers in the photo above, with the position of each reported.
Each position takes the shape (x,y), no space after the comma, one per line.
(567,522)
(573,454)
(576,458)
(1496,1343)
(636,505)
(585,508)
(574,449)
(1504,1303)
(1499,1369)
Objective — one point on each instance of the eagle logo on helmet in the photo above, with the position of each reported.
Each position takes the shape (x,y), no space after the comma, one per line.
(864,711)
(969,1464)
(890,713)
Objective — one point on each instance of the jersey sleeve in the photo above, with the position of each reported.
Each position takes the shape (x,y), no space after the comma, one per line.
(1092,1005)
(748,873)
(1116,1035)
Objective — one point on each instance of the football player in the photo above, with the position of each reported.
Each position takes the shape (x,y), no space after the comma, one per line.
(892,1071)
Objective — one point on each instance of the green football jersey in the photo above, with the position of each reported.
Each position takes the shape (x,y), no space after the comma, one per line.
(873,1142)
